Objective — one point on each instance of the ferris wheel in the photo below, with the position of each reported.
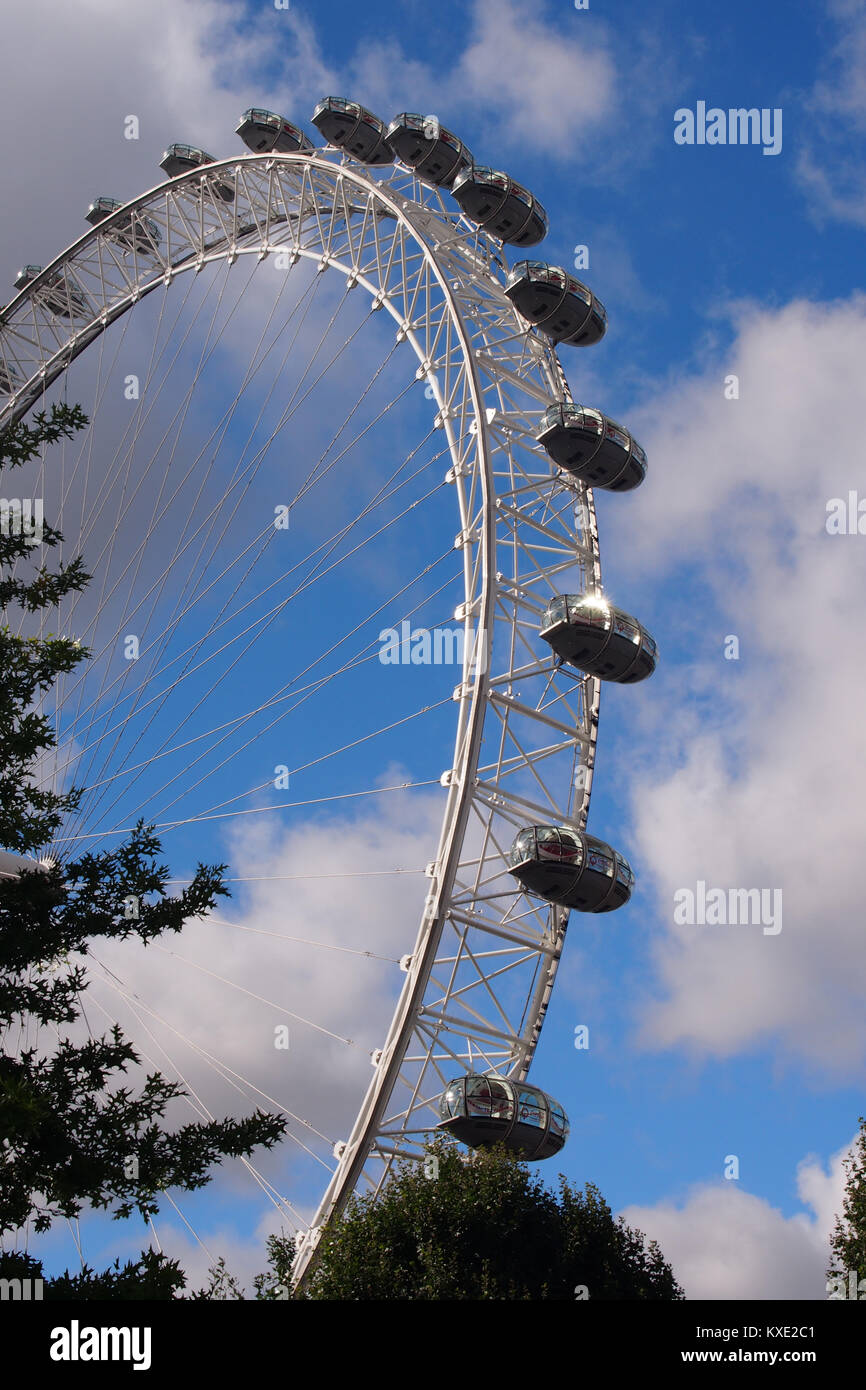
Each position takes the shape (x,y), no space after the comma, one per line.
(446,356)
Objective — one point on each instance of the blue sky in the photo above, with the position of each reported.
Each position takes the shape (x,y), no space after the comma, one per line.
(711,261)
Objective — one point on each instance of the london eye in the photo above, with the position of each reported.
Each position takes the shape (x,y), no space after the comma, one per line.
(324,404)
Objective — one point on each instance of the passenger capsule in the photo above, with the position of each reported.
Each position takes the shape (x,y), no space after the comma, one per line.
(266,130)
(424,145)
(484,1110)
(180,159)
(500,205)
(592,447)
(588,632)
(571,868)
(60,293)
(8,379)
(134,233)
(564,309)
(353,128)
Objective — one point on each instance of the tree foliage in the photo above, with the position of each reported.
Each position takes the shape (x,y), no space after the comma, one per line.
(221,1287)
(485,1228)
(30,665)
(273,1284)
(74,1132)
(276,1282)
(848,1241)
(152,1277)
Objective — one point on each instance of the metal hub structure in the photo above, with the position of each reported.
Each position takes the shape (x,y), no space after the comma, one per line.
(481,969)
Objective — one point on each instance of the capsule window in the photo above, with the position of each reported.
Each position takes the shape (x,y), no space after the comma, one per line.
(599,863)
(558,1122)
(557,612)
(626,629)
(617,435)
(556,845)
(579,291)
(588,614)
(501,1105)
(569,846)
(523,847)
(452,1100)
(547,843)
(477,1096)
(531,1107)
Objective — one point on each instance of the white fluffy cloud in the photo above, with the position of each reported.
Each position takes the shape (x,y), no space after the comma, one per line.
(529,81)
(725,1243)
(226,988)
(748,773)
(185,70)
(539,80)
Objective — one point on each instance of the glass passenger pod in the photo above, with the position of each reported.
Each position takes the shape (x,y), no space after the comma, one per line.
(483,1110)
(136,232)
(436,161)
(180,159)
(60,293)
(101,208)
(537,290)
(547,860)
(593,324)
(265,131)
(8,379)
(546,295)
(26,275)
(350,127)
(500,205)
(599,639)
(585,443)
(531,220)
(569,867)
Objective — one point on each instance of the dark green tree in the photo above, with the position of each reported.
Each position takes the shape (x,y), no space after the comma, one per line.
(276,1282)
(152,1276)
(72,1133)
(221,1287)
(848,1241)
(485,1228)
